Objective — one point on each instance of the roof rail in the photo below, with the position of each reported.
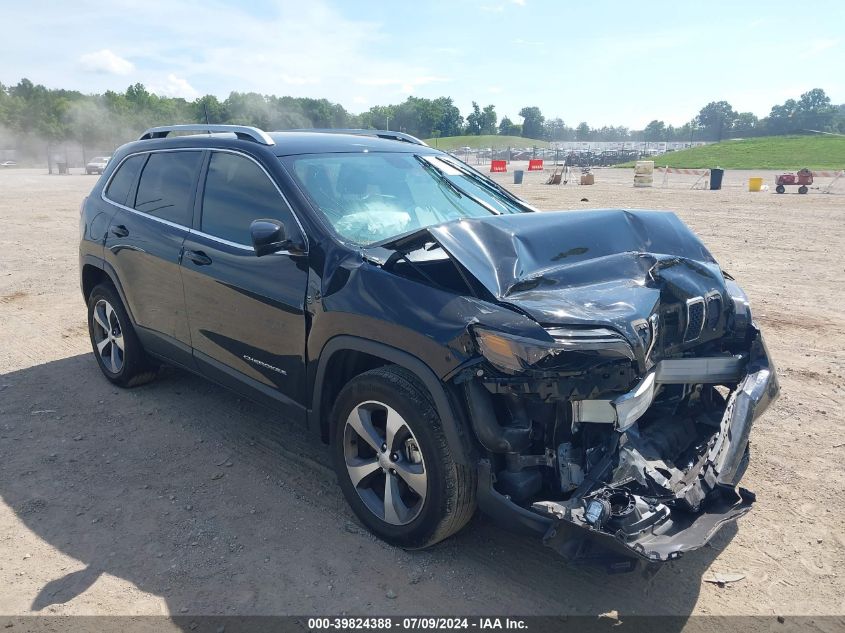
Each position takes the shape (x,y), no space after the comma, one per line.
(388,134)
(243,132)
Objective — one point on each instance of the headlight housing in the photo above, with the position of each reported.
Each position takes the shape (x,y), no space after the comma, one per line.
(512,354)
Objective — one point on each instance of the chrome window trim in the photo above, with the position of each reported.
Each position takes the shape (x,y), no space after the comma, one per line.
(188,228)
(220,240)
(135,211)
(238,245)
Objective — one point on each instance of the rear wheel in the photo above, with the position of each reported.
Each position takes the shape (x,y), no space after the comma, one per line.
(802,189)
(116,346)
(393,463)
(780,188)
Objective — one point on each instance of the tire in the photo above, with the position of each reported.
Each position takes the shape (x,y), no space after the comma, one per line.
(393,395)
(802,189)
(780,189)
(127,367)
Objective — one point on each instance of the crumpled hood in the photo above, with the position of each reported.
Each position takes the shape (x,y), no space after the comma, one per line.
(603,266)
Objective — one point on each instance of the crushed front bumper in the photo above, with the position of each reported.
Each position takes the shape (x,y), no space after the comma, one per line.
(712,491)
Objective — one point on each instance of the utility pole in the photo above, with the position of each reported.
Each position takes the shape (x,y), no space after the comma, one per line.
(387,123)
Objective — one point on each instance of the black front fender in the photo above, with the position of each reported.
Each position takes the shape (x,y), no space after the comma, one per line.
(450,413)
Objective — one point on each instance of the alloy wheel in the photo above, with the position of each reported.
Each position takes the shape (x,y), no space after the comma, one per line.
(108,336)
(384,462)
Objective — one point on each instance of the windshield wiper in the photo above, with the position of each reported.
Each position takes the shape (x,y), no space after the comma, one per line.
(444,179)
(488,183)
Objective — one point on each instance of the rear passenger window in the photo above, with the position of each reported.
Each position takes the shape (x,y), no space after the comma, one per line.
(237,191)
(124,178)
(166,185)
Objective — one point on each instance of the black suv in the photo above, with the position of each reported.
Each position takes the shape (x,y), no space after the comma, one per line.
(590,377)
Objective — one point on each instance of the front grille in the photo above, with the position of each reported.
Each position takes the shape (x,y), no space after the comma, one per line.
(695,318)
(672,326)
(714,311)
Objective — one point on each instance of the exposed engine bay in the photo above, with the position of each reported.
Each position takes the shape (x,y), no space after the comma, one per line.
(624,411)
(638,467)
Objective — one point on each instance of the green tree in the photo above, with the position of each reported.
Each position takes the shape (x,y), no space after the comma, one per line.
(582,132)
(474,120)
(716,120)
(532,122)
(378,118)
(746,124)
(211,106)
(509,128)
(815,111)
(449,119)
(655,131)
(556,130)
(139,97)
(487,121)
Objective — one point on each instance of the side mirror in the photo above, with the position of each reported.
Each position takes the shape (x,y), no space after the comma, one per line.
(268,236)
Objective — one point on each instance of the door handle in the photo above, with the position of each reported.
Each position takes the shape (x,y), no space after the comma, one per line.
(119,231)
(198,257)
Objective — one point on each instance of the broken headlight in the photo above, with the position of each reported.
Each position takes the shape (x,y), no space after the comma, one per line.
(512,354)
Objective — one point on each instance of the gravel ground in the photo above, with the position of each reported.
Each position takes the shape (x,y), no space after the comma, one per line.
(181,498)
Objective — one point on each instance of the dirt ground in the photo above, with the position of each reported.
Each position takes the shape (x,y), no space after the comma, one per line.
(179,497)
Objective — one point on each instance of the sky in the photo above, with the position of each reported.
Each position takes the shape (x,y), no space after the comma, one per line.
(606,63)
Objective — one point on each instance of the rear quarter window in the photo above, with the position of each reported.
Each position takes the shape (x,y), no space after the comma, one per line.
(167,184)
(124,179)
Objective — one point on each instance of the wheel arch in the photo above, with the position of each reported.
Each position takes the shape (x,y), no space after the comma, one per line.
(96,271)
(365,354)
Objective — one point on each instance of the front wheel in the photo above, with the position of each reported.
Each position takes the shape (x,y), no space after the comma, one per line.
(802,189)
(780,188)
(116,346)
(393,463)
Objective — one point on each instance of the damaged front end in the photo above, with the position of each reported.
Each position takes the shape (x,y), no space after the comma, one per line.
(621,417)
(652,472)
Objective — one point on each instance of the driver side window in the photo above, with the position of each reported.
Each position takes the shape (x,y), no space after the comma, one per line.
(237,191)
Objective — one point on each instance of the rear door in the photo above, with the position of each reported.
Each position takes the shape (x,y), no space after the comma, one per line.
(246,313)
(144,244)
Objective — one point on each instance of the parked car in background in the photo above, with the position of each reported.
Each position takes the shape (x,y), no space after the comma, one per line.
(586,376)
(97,165)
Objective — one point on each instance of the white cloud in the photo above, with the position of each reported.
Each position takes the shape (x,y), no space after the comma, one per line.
(500,7)
(175,87)
(105,61)
(817,47)
(400,81)
(312,49)
(299,81)
(404,85)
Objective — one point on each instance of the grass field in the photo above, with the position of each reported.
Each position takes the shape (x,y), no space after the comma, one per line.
(481,142)
(768,152)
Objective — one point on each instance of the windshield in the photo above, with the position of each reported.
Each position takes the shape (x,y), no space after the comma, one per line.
(371,197)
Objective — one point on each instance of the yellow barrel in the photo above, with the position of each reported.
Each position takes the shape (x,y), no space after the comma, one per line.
(755,184)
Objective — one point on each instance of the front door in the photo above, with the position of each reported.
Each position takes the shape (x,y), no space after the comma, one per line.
(246,313)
